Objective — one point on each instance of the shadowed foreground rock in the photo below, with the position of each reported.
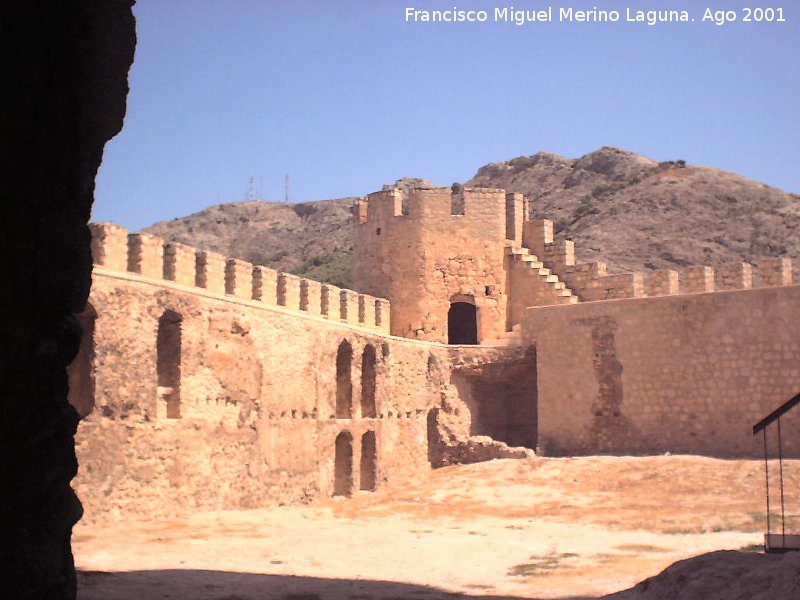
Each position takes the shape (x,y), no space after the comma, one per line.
(724,575)
(65,85)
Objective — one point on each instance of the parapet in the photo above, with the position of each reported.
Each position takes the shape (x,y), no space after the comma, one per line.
(239,278)
(379,206)
(736,276)
(591,281)
(109,246)
(587,282)
(516,215)
(146,255)
(558,255)
(289,290)
(179,263)
(152,258)
(661,283)
(210,273)
(491,209)
(775,272)
(265,285)
(311,296)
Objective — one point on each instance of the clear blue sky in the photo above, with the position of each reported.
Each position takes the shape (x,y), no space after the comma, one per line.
(345,96)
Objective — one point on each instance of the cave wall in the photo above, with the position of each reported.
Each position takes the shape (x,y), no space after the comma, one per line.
(64,94)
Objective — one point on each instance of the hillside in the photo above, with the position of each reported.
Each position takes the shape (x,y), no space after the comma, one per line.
(312,239)
(618,206)
(635,213)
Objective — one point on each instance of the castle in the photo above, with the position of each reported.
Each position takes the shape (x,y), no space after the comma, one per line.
(210,383)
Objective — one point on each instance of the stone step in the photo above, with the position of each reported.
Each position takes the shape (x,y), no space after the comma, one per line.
(533,263)
(559,288)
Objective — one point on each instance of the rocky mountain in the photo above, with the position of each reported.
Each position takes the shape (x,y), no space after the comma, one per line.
(636,213)
(618,206)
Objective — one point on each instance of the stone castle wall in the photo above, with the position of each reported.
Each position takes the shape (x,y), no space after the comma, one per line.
(114,249)
(250,419)
(685,374)
(591,281)
(211,384)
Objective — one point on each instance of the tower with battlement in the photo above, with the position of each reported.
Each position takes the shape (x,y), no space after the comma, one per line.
(439,255)
(452,263)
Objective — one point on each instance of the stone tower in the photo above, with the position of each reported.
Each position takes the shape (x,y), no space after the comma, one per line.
(440,258)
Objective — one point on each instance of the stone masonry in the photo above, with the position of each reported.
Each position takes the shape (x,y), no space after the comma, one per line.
(211,383)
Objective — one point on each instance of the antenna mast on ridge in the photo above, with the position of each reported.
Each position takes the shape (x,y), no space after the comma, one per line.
(286,188)
(253,192)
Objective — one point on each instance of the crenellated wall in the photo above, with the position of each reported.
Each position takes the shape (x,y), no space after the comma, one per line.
(591,281)
(220,384)
(115,249)
(212,384)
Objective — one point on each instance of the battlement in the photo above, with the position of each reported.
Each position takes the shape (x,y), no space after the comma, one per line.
(444,206)
(588,282)
(591,281)
(149,256)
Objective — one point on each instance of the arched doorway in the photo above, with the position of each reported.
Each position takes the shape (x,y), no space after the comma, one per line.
(343,465)
(368,408)
(369,462)
(462,323)
(344,384)
(168,365)
(81,370)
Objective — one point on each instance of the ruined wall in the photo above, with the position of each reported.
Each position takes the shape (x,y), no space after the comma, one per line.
(233,394)
(487,404)
(688,373)
(442,248)
(243,392)
(500,394)
(250,419)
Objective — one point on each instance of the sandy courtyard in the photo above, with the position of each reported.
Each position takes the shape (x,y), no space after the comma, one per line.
(539,528)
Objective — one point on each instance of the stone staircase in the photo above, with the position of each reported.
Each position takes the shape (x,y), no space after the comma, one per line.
(545,289)
(558,287)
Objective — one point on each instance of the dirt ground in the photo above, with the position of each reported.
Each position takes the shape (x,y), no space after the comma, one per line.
(538,528)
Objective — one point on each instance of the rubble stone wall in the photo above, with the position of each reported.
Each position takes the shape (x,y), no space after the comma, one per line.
(249,417)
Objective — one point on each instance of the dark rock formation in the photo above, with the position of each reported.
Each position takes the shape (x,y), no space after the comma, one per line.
(724,574)
(64,90)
